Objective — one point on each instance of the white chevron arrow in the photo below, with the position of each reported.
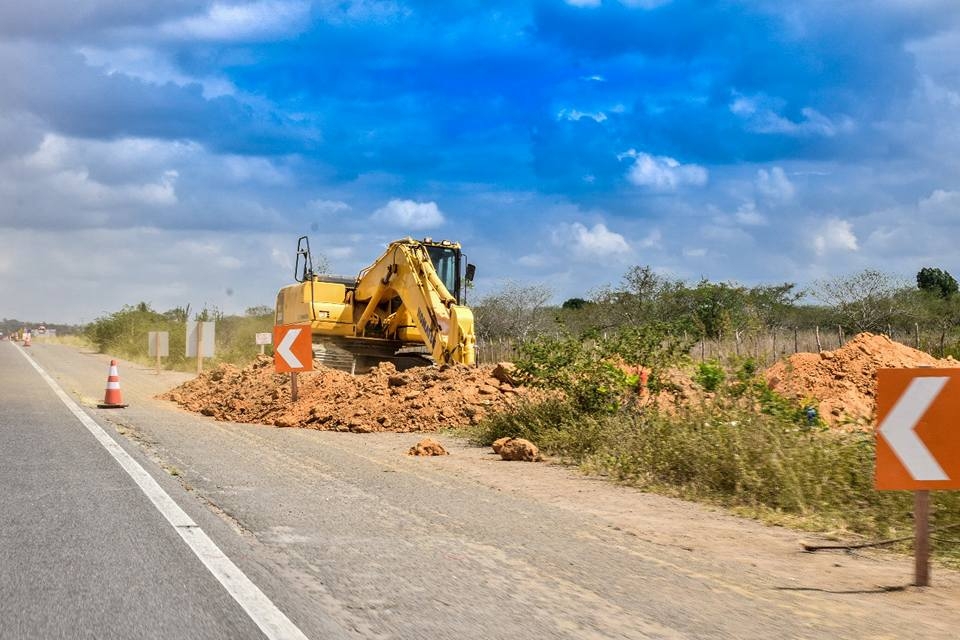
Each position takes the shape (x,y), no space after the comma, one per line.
(284,348)
(898,428)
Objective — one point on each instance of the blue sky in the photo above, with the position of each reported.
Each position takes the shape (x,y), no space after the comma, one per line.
(172,152)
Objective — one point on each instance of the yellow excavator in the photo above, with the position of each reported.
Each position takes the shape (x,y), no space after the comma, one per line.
(408,307)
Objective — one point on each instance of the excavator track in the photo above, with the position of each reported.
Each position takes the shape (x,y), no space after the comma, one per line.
(360,355)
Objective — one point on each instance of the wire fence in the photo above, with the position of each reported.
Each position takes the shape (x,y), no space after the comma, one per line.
(764,346)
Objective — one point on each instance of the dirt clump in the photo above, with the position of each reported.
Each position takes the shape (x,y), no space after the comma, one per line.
(418,399)
(517,449)
(498,444)
(428,447)
(844,381)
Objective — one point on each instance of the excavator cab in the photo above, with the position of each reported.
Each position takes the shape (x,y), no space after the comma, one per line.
(447,261)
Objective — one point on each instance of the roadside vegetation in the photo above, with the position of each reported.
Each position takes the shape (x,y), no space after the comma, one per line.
(740,445)
(124,333)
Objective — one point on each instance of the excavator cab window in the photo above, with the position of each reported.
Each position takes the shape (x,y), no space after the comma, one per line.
(446,262)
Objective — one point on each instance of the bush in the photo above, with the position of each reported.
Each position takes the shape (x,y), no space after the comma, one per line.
(709,375)
(599,373)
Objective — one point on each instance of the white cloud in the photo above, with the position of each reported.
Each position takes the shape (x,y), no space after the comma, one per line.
(762,115)
(150,66)
(573,114)
(698,252)
(661,173)
(56,170)
(583,3)
(595,242)
(653,240)
(252,21)
(774,184)
(645,4)
(328,206)
(940,200)
(836,235)
(532,260)
(748,215)
(410,214)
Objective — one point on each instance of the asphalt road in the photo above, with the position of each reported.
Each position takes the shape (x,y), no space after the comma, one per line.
(350,537)
(83,553)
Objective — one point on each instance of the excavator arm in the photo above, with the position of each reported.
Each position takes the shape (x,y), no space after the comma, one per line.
(405,272)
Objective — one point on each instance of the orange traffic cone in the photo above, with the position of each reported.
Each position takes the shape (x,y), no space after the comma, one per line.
(26,339)
(113,399)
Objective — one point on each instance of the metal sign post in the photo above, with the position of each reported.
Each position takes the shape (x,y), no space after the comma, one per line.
(921,538)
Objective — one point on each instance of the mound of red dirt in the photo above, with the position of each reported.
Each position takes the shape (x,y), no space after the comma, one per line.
(419,399)
(844,381)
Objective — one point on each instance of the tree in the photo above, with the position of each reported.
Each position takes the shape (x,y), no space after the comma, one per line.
(515,311)
(258,311)
(936,282)
(771,304)
(642,296)
(865,301)
(574,303)
(717,308)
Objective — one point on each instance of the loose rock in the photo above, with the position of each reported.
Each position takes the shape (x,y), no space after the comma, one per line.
(519,449)
(428,447)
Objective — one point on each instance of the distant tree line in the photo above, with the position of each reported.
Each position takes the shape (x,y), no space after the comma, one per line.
(869,300)
(9,325)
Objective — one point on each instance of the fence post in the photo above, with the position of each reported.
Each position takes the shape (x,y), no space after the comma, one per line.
(819,346)
(839,336)
(916,325)
(796,340)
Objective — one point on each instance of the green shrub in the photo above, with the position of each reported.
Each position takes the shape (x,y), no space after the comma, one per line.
(709,375)
(594,370)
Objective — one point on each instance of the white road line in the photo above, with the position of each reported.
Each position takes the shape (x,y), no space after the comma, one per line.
(274,624)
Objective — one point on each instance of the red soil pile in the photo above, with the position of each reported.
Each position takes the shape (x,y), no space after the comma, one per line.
(419,399)
(844,381)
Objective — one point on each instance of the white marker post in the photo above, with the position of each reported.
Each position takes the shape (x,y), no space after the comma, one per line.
(200,341)
(264,339)
(158,344)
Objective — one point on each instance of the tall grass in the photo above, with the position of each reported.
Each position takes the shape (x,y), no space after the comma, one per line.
(729,453)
